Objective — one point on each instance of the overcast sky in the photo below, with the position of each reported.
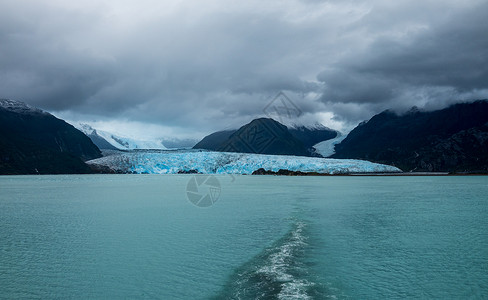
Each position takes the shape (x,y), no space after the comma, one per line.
(187,68)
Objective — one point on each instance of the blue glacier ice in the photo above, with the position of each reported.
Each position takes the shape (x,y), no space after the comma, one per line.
(327,148)
(209,162)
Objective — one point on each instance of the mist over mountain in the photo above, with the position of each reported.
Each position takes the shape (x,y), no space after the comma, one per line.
(210,65)
(311,135)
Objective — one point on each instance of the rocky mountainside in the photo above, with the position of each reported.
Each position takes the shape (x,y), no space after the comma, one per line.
(35,142)
(264,136)
(454,139)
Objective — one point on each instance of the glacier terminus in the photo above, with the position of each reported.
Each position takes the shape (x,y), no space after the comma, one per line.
(210,162)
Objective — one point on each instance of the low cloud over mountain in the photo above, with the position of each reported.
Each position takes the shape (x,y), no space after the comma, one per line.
(214,64)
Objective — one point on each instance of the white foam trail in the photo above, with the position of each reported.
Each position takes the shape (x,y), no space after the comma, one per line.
(279,265)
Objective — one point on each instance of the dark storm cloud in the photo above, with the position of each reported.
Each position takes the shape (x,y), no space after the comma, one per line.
(449,54)
(214,64)
(436,62)
(36,64)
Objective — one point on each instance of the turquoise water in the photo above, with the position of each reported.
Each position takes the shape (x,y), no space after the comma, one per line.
(266,237)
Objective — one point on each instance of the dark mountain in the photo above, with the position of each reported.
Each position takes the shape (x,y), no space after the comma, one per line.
(215,140)
(453,139)
(35,142)
(309,136)
(264,136)
(313,134)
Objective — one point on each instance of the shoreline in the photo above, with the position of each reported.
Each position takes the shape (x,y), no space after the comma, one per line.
(299,173)
(286,173)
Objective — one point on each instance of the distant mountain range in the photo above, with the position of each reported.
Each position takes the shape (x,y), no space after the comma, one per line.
(267,136)
(454,139)
(33,141)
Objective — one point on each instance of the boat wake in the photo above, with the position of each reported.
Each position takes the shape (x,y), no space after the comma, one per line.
(279,272)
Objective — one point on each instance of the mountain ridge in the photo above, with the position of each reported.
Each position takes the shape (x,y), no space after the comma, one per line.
(423,141)
(264,136)
(33,141)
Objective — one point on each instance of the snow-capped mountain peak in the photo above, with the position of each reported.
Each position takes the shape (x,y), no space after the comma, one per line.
(19,107)
(312,126)
(85,128)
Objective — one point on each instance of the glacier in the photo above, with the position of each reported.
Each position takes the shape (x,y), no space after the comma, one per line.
(210,162)
(327,148)
(118,141)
